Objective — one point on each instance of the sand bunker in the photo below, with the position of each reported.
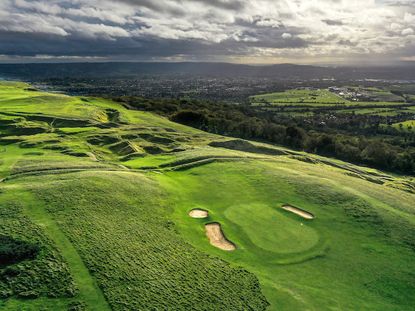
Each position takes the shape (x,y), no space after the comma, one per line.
(217,238)
(298,211)
(198,213)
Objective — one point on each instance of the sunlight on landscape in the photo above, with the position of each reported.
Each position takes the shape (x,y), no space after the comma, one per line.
(207,155)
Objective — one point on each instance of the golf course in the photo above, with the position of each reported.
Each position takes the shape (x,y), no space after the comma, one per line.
(108,208)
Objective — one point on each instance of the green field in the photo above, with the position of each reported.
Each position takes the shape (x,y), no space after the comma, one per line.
(299,96)
(378,94)
(94,204)
(307,102)
(407,125)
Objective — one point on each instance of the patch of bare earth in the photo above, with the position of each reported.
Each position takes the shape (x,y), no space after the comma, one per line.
(198,213)
(217,238)
(298,211)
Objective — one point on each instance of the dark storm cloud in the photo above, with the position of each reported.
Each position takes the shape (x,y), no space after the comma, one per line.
(331,22)
(205,29)
(160,5)
(224,4)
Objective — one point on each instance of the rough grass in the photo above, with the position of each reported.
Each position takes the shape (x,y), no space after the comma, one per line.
(45,274)
(120,225)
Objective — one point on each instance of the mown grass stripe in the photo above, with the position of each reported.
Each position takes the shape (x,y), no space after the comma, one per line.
(89,291)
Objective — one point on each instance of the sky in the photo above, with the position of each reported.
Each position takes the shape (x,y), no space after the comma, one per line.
(368,32)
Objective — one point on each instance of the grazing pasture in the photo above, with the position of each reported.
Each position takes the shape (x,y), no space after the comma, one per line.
(303,102)
(299,96)
(406,126)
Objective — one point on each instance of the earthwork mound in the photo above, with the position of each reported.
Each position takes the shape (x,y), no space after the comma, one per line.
(243,145)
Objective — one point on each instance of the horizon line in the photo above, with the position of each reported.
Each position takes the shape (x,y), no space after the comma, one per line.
(398,64)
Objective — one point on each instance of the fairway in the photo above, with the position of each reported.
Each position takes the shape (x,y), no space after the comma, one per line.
(108,208)
(276,244)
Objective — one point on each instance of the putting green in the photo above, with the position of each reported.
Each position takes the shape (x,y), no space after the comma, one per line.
(271,230)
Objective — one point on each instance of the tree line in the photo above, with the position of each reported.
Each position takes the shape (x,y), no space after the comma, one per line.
(382,148)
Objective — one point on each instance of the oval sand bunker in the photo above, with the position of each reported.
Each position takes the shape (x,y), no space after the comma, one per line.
(217,238)
(198,213)
(298,211)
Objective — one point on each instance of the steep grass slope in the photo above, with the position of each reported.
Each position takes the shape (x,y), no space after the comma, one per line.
(95,202)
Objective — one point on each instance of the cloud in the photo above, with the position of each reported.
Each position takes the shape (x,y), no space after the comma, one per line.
(331,22)
(407,32)
(208,29)
(408,58)
(221,4)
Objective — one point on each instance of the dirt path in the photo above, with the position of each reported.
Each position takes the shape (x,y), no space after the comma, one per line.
(217,238)
(89,291)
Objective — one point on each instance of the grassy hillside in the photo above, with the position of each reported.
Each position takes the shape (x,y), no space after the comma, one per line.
(95,203)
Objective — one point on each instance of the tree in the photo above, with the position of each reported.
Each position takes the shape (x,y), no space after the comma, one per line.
(191,118)
(295,136)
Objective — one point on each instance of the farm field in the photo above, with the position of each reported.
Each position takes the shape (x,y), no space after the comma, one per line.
(95,202)
(376,94)
(299,96)
(407,125)
(306,102)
